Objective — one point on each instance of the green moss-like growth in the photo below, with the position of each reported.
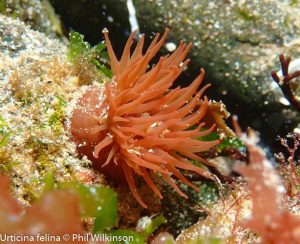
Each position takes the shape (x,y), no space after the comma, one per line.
(2,6)
(5,132)
(55,120)
(205,241)
(78,48)
(6,166)
(227,143)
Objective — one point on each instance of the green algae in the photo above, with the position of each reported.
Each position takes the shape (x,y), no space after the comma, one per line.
(2,6)
(55,120)
(95,201)
(7,166)
(146,228)
(200,240)
(79,48)
(5,132)
(100,203)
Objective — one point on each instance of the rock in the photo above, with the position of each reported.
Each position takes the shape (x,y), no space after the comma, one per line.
(38,14)
(183,213)
(37,85)
(16,39)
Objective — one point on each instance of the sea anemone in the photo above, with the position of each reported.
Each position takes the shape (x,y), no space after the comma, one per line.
(138,125)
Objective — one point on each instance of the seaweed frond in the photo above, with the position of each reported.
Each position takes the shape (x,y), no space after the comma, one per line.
(269,220)
(286,82)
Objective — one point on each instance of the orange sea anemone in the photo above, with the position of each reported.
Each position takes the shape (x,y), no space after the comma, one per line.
(137,124)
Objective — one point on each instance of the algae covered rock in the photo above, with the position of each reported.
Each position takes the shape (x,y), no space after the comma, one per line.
(37,85)
(38,14)
(237,41)
(17,38)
